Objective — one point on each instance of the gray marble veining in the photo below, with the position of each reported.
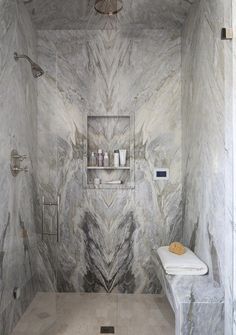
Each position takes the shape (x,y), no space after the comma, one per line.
(18,128)
(121,65)
(107,235)
(203,135)
(207,142)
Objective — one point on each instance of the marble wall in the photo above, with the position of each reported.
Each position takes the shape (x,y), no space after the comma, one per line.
(142,14)
(207,142)
(18,128)
(125,65)
(107,236)
(232,83)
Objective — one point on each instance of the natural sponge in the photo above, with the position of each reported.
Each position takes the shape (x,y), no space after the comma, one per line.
(177,248)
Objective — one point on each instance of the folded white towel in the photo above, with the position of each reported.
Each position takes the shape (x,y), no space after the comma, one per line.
(186,264)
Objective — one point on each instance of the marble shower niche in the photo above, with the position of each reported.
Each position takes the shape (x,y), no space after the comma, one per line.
(109,133)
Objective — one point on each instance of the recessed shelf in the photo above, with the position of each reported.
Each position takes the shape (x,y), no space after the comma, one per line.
(108,168)
(109,133)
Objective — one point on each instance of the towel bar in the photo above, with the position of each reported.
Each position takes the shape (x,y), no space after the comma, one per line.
(56,204)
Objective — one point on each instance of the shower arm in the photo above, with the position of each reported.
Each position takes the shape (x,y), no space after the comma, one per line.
(16,56)
(37,71)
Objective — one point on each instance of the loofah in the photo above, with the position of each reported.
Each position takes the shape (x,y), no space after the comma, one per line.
(177,248)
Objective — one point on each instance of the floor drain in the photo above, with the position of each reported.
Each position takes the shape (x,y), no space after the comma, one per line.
(107,330)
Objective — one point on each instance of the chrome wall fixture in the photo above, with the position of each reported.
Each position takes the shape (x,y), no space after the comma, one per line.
(37,71)
(15,165)
(50,204)
(108,7)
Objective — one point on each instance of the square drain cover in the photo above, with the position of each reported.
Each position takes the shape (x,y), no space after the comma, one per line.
(107,330)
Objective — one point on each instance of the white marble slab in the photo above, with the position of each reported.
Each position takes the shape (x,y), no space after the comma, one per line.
(107,235)
(207,142)
(18,197)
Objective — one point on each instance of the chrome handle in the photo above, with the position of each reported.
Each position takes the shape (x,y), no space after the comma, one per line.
(57,204)
(17,169)
(58,222)
(42,228)
(19,157)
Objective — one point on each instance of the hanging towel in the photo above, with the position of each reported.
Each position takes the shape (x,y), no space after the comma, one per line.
(187,264)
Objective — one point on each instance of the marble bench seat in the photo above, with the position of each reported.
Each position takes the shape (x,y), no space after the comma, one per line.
(197,303)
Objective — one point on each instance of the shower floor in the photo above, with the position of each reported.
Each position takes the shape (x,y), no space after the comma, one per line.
(85,314)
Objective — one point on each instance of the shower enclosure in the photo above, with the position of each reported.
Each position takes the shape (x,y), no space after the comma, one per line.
(156,80)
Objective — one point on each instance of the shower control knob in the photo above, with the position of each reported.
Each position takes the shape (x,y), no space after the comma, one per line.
(15,165)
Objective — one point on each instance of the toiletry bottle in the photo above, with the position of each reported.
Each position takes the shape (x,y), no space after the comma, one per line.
(116,158)
(106,159)
(122,153)
(93,160)
(100,158)
(97,181)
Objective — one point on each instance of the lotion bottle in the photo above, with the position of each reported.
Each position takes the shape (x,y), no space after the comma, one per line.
(116,158)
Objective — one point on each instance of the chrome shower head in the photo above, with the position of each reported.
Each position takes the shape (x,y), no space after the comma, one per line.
(108,7)
(37,71)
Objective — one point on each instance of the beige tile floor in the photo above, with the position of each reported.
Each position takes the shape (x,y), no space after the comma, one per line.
(84,314)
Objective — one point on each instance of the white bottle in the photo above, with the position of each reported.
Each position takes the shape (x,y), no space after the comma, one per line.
(106,159)
(97,181)
(122,157)
(116,158)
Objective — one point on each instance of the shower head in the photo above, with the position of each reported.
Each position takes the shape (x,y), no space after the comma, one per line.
(37,71)
(108,7)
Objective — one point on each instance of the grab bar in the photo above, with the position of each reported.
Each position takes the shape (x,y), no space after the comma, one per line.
(57,204)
